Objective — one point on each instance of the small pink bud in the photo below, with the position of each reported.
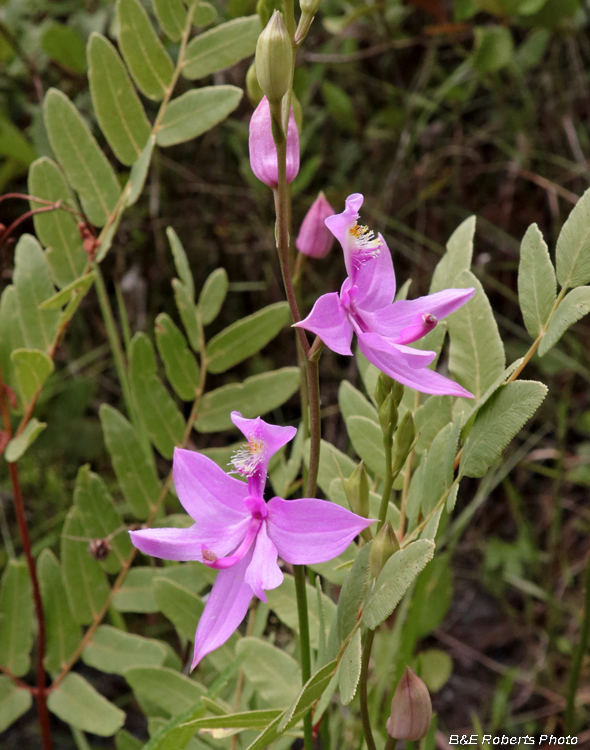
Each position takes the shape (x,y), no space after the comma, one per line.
(263,152)
(411,709)
(315,239)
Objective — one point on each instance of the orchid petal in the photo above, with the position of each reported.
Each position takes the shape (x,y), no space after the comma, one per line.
(206,492)
(423,380)
(187,544)
(309,531)
(225,609)
(314,238)
(339,224)
(329,321)
(273,435)
(263,573)
(392,320)
(375,281)
(263,151)
(415,358)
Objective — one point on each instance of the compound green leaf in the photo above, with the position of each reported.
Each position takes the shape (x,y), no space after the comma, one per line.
(64,45)
(574,306)
(254,397)
(171,15)
(195,112)
(76,702)
(137,592)
(100,518)
(395,579)
(205,13)
(456,259)
(16,618)
(181,606)
(126,741)
(212,295)
(12,335)
(241,340)
(79,286)
(84,164)
(353,404)
(350,669)
(85,581)
(476,356)
(181,262)
(164,423)
(221,47)
(138,174)
(494,48)
(309,694)
(57,230)
(350,602)
(572,252)
(536,281)
(331,460)
(14,702)
(21,443)
(33,286)
(146,58)
(32,367)
(430,418)
(135,471)
(120,113)
(273,673)
(114,651)
(367,439)
(180,363)
(63,632)
(497,422)
(188,313)
(435,668)
(167,689)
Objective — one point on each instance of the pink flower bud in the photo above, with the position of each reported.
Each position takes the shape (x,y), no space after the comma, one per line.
(315,239)
(411,709)
(263,152)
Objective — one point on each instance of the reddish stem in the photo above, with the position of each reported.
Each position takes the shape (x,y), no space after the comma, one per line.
(27,215)
(41,691)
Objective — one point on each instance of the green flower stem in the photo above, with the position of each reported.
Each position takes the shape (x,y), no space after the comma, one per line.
(583,643)
(389,478)
(391,744)
(363,690)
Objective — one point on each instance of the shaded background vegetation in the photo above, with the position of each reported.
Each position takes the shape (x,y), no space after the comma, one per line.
(434,110)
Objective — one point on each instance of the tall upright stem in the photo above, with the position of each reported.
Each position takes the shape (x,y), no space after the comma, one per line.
(388,483)
(309,371)
(41,691)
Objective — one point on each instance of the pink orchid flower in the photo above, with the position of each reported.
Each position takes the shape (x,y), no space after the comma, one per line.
(263,152)
(239,534)
(314,238)
(364,306)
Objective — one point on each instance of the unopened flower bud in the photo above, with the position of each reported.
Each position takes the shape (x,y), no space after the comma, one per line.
(263,152)
(383,547)
(398,392)
(255,93)
(357,491)
(411,709)
(388,416)
(274,59)
(404,439)
(314,238)
(383,387)
(308,10)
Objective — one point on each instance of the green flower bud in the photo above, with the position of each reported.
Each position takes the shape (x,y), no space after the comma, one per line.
(274,59)
(404,439)
(308,10)
(411,709)
(388,416)
(384,546)
(383,387)
(398,392)
(357,491)
(255,93)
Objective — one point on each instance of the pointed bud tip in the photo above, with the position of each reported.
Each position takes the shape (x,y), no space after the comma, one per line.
(411,709)
(314,238)
(357,491)
(274,59)
(383,547)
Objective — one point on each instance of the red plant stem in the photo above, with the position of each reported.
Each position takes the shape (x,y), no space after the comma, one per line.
(41,691)
(27,215)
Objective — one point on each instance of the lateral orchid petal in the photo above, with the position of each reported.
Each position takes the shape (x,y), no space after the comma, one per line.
(309,531)
(263,152)
(329,321)
(187,544)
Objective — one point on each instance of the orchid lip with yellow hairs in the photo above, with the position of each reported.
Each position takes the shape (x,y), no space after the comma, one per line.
(364,306)
(241,535)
